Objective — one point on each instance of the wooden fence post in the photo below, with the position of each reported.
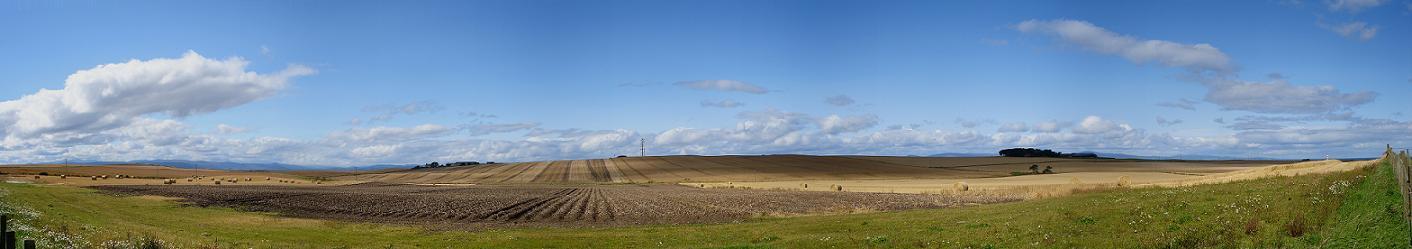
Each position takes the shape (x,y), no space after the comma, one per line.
(10,240)
(4,229)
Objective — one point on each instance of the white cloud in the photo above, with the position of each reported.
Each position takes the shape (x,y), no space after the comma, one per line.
(1014,127)
(839,100)
(228,129)
(1097,125)
(1048,127)
(1278,96)
(723,85)
(834,124)
(264,50)
(112,96)
(726,103)
(1197,57)
(383,133)
(1353,6)
(1354,30)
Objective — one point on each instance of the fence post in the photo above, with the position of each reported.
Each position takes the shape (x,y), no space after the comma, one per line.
(4,229)
(10,240)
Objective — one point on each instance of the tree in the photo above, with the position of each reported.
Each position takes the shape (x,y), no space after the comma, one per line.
(1034,168)
(1048,169)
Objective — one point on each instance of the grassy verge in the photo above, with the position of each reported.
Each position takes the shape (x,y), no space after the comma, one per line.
(1370,216)
(1324,210)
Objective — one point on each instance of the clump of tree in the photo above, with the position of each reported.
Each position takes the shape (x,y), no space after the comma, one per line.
(1029,152)
(455,164)
(1033,152)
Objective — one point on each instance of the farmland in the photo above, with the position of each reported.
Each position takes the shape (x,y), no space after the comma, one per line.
(1334,209)
(659,169)
(586,205)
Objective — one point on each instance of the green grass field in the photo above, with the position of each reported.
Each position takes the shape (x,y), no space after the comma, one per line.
(1358,209)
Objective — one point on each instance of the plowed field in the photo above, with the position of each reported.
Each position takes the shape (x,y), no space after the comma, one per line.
(573,205)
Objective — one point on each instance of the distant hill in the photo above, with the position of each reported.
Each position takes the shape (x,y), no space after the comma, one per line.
(963,155)
(190,164)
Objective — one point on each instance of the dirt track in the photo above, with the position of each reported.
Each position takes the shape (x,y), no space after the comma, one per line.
(571,205)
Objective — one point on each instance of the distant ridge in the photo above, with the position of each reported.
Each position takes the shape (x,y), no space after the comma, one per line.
(191,164)
(963,155)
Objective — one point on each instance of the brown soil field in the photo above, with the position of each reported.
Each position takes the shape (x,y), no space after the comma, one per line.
(512,205)
(672,169)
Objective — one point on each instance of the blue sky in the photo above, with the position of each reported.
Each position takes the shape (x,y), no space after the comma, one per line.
(349,82)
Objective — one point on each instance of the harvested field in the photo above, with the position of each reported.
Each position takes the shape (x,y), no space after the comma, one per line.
(1044,185)
(582,205)
(666,169)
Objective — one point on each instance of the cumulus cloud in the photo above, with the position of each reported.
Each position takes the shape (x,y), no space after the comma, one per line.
(839,100)
(723,85)
(112,96)
(1353,6)
(1047,127)
(834,124)
(1098,125)
(725,103)
(1278,96)
(1195,57)
(228,129)
(1354,30)
(383,133)
(1183,103)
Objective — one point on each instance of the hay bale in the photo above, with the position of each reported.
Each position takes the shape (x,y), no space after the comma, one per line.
(960,187)
(95,178)
(63,176)
(1124,181)
(838,188)
(218,182)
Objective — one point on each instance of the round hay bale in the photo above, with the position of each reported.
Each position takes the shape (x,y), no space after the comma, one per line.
(838,188)
(1124,181)
(961,187)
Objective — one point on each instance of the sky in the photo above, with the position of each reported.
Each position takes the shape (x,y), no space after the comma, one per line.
(348,83)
